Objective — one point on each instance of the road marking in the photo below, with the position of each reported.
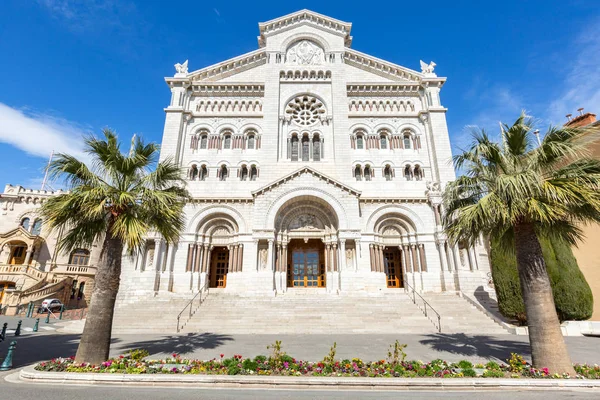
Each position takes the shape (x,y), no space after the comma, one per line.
(47,328)
(28,329)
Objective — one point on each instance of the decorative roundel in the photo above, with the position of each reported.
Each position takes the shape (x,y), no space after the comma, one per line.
(305,110)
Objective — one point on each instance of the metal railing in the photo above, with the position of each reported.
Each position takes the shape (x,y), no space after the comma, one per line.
(425,307)
(190,307)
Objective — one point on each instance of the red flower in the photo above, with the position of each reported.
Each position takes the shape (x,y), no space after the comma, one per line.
(222,355)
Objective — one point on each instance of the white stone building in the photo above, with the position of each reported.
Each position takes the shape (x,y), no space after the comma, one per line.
(311,165)
(31,266)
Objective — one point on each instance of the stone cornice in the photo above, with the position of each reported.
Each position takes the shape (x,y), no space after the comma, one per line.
(305,16)
(381,67)
(224,69)
(382,89)
(210,89)
(393,200)
(218,200)
(305,170)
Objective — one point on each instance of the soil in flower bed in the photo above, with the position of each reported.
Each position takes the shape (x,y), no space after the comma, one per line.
(281,364)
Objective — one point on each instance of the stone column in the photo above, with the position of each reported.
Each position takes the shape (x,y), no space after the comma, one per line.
(198,261)
(190,257)
(436,211)
(403,265)
(169,260)
(205,277)
(440,246)
(284,266)
(422,257)
(406,256)
(28,255)
(235,258)
(451,265)
(336,267)
(356,253)
(270,255)
(372,255)
(470,258)
(381,259)
(240,257)
(342,254)
(476,262)
(327,257)
(413,254)
(455,257)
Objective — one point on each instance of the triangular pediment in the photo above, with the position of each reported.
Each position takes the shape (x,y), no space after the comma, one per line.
(303,171)
(305,17)
(19,233)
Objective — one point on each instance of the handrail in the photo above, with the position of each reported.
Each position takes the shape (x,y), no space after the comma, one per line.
(424,308)
(189,304)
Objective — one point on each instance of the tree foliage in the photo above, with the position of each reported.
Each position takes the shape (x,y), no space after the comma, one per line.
(573,298)
(125,195)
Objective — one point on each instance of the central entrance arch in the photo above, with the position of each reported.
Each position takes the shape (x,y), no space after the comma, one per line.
(306,230)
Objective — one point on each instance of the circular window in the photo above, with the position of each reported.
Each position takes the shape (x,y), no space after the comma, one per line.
(305,110)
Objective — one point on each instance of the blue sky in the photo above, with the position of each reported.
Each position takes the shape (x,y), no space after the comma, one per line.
(71,67)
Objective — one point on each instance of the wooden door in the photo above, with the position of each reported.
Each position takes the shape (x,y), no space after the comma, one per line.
(218,268)
(393,268)
(18,255)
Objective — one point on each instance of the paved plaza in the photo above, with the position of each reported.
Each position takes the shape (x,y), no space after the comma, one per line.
(45,344)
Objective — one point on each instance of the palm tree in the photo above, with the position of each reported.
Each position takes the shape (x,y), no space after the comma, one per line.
(117,200)
(516,192)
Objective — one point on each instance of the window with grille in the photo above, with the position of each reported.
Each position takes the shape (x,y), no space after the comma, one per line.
(407,141)
(203,172)
(358,173)
(203,141)
(407,173)
(360,142)
(253,173)
(25,223)
(367,173)
(305,148)
(294,148)
(223,174)
(387,173)
(316,149)
(383,141)
(251,140)
(80,257)
(244,173)
(227,142)
(36,229)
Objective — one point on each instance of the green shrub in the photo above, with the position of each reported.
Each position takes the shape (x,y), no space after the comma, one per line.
(469,372)
(493,374)
(138,354)
(286,358)
(229,362)
(250,365)
(572,294)
(464,364)
(233,370)
(493,366)
(260,359)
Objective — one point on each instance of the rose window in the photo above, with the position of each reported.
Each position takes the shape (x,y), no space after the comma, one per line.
(305,110)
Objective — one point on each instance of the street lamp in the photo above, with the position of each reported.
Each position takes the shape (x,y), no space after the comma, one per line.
(537,135)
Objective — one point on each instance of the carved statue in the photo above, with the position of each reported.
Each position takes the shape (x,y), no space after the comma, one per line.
(305,221)
(305,52)
(263,258)
(433,186)
(349,256)
(182,68)
(427,68)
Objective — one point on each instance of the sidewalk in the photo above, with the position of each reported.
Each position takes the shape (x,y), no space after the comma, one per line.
(477,348)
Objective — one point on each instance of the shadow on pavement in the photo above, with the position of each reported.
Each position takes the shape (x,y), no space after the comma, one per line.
(35,348)
(476,345)
(180,344)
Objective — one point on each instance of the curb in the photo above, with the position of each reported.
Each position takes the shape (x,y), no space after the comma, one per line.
(29,374)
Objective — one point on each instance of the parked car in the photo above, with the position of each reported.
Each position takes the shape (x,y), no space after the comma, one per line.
(50,304)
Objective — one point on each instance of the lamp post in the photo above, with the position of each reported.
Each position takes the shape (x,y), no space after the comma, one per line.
(537,135)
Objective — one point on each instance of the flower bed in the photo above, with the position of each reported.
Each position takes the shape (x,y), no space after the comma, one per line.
(281,364)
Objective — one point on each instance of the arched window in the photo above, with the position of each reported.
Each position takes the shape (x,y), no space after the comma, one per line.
(80,257)
(244,173)
(203,141)
(407,141)
(294,150)
(251,141)
(25,223)
(418,173)
(193,172)
(387,173)
(407,173)
(253,173)
(223,173)
(358,173)
(383,141)
(316,148)
(227,141)
(305,148)
(203,173)
(367,173)
(360,141)
(36,229)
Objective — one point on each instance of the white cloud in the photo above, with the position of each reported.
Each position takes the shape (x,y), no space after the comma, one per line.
(581,86)
(38,134)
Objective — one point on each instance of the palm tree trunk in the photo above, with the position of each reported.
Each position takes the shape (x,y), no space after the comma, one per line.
(548,348)
(94,346)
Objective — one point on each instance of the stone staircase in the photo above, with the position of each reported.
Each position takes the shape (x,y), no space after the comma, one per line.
(306,311)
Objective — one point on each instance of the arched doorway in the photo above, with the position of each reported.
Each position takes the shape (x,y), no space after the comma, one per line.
(4,286)
(306,243)
(18,252)
(396,250)
(217,251)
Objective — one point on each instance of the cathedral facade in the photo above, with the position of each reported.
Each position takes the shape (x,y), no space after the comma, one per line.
(311,165)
